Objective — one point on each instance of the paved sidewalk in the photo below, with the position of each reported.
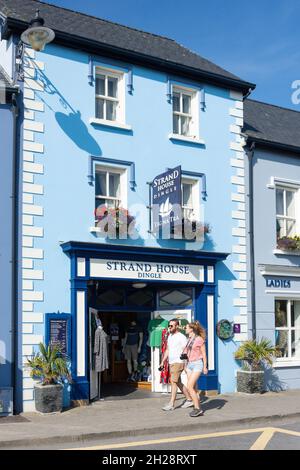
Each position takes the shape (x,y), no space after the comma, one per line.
(132,417)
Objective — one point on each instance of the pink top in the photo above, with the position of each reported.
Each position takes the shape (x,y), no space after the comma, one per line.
(194,353)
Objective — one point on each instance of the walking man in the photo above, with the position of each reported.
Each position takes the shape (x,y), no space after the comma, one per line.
(176,344)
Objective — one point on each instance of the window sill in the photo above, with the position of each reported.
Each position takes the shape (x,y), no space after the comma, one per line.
(112,124)
(279,364)
(183,138)
(286,252)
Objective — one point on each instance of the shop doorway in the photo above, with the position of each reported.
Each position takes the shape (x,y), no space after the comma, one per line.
(129,364)
(119,307)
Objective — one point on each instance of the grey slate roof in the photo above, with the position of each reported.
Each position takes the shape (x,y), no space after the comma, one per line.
(112,35)
(272,125)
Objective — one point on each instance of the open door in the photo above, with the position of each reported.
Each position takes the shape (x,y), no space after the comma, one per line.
(93,373)
(185,314)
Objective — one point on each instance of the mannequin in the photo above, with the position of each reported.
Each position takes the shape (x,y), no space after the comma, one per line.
(100,351)
(132,347)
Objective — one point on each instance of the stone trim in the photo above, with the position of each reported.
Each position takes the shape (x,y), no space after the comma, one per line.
(239,248)
(32,229)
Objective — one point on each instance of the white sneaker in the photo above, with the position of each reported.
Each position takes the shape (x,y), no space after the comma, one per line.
(168,407)
(187,404)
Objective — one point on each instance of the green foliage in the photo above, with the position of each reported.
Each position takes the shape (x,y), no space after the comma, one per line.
(49,365)
(254,353)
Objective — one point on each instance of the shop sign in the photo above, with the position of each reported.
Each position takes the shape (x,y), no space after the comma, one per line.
(278,283)
(166,199)
(138,270)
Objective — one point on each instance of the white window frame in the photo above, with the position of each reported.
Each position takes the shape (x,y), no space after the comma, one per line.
(289,359)
(120,109)
(195,198)
(123,183)
(194,116)
(296,192)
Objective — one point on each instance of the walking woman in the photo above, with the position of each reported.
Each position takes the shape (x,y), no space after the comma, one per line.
(196,362)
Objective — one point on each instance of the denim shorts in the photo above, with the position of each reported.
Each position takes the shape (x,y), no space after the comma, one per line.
(195,366)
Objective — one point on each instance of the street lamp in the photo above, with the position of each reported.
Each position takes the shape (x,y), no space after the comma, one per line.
(37,35)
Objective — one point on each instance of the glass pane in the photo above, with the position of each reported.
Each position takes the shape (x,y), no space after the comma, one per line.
(296,343)
(279,202)
(280,313)
(290,228)
(112,87)
(175,124)
(176,102)
(110,297)
(100,183)
(280,227)
(99,108)
(141,297)
(182,297)
(290,204)
(114,185)
(111,107)
(99,202)
(185,125)
(186,104)
(187,195)
(295,314)
(112,203)
(281,342)
(100,85)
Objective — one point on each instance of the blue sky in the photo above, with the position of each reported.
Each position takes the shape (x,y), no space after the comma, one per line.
(259,40)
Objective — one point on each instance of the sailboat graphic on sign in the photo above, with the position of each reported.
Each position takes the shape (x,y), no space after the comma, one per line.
(165,208)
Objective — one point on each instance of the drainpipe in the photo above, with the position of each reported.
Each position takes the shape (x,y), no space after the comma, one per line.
(14,241)
(250,154)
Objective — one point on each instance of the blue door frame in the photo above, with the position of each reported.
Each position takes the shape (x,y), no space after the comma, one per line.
(79,283)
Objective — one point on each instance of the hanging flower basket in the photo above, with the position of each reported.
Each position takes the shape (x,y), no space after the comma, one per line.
(114,221)
(289,243)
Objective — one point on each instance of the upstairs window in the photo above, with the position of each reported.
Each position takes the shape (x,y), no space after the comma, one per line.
(190,199)
(108,188)
(184,112)
(109,95)
(285,212)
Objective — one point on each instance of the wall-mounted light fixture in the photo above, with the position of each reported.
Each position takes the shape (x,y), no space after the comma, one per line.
(36,36)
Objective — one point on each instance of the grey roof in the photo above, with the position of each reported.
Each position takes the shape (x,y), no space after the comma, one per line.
(272,125)
(5,81)
(114,37)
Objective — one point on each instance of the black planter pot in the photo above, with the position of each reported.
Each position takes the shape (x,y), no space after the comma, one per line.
(250,381)
(48,398)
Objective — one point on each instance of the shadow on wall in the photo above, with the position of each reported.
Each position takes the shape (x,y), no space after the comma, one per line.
(70,122)
(273,382)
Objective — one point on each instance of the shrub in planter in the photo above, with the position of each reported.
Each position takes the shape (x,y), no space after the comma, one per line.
(289,243)
(50,367)
(253,354)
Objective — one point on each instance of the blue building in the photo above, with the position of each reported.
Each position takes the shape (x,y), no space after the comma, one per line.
(273,149)
(107,109)
(8,277)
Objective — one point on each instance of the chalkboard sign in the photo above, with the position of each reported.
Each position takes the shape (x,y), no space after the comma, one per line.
(58,331)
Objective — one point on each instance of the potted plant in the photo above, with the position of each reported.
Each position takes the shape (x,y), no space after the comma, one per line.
(253,354)
(114,221)
(289,243)
(50,367)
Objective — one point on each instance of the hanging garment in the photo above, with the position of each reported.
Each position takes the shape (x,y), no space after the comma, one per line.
(100,350)
(165,373)
(155,328)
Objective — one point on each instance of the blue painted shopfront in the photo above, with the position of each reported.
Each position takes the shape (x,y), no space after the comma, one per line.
(79,283)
